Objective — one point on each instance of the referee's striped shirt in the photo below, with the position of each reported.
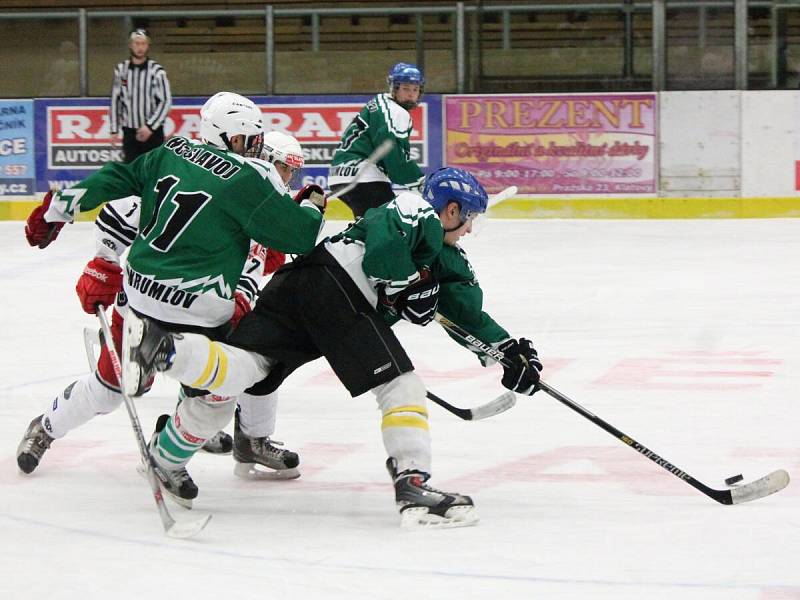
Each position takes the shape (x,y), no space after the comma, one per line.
(140,96)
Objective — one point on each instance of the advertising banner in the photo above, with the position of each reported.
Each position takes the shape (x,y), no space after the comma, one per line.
(17,174)
(73,138)
(555,144)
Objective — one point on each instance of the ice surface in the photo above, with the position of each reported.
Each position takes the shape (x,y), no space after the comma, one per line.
(683,334)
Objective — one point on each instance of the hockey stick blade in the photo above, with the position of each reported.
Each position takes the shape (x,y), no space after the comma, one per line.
(90,339)
(502,195)
(187,528)
(500,404)
(767,485)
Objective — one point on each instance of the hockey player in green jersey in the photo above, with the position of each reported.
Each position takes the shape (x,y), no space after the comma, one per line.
(400,261)
(385,117)
(201,204)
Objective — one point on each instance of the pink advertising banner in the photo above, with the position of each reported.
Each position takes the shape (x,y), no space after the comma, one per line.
(555,144)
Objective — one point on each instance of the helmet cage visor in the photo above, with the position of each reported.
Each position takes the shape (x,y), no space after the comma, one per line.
(253,145)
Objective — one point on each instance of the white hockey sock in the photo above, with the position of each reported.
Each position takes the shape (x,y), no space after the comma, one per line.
(195,420)
(78,403)
(405,422)
(214,366)
(257,414)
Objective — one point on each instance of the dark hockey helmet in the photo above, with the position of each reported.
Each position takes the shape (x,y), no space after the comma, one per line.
(406,73)
(449,184)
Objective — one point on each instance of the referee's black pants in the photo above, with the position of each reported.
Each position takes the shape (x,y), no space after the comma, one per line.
(133,149)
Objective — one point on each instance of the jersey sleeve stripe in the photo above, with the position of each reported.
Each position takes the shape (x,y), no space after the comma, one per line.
(114,234)
(394,128)
(248,287)
(110,224)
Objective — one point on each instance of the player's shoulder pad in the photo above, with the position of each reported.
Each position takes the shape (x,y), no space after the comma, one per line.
(398,119)
(266,170)
(411,205)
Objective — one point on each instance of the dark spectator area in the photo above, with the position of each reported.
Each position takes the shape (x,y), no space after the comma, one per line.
(536,47)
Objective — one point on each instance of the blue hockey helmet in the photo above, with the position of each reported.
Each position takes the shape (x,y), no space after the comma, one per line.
(449,184)
(405,73)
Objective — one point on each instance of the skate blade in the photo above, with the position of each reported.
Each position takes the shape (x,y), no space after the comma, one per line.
(457,516)
(182,502)
(131,373)
(215,450)
(255,472)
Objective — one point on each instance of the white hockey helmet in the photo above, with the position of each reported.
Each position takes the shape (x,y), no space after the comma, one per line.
(282,147)
(226,114)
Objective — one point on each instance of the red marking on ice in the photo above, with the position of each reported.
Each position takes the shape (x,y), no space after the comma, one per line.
(66,455)
(609,465)
(475,374)
(661,373)
(315,458)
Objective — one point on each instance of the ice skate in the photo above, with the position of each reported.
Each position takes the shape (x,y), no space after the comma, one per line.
(146,349)
(34,444)
(251,453)
(421,505)
(219,443)
(176,482)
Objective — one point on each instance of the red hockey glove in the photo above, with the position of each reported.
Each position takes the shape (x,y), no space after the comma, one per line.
(241,308)
(314,194)
(99,284)
(274,261)
(39,232)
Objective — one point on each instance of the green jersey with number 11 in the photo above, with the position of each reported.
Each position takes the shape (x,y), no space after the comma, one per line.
(200,208)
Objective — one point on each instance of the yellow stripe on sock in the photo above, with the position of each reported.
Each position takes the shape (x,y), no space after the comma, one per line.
(411,408)
(213,357)
(404,421)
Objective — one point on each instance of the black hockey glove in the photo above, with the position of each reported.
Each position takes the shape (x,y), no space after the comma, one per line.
(418,302)
(522,376)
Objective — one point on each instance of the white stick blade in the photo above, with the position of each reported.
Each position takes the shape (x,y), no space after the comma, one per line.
(502,195)
(91,338)
(769,484)
(500,404)
(188,528)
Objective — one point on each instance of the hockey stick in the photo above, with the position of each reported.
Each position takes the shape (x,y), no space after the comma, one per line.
(505,194)
(176,529)
(382,150)
(90,338)
(769,484)
(500,404)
